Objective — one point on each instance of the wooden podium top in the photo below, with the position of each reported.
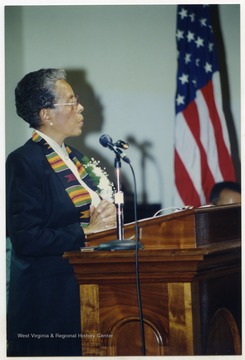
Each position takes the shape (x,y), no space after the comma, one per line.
(183,244)
(185,229)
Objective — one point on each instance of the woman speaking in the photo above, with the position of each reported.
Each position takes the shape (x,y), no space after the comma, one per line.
(52,203)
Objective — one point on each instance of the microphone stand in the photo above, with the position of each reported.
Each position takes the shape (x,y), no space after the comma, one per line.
(120,243)
(119,199)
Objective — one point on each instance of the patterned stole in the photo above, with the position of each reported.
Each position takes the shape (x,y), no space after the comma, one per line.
(77,193)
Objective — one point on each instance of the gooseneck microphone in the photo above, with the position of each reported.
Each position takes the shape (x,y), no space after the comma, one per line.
(106,141)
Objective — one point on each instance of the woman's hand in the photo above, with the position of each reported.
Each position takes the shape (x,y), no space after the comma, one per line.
(101,218)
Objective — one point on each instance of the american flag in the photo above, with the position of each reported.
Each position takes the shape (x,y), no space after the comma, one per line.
(202,153)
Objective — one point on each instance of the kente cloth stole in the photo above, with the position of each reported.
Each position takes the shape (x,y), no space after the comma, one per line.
(77,193)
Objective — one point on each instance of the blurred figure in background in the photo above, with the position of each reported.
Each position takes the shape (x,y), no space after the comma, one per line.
(225,192)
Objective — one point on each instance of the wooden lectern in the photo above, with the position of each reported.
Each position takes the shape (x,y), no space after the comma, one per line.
(190,281)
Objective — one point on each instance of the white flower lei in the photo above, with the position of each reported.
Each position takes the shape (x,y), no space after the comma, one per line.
(100,177)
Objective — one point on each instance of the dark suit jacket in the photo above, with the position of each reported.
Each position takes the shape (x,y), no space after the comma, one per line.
(43,223)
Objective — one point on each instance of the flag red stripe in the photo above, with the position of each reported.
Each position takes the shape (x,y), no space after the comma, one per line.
(225,162)
(190,114)
(184,183)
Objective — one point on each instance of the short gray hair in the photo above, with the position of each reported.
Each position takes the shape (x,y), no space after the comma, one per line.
(36,91)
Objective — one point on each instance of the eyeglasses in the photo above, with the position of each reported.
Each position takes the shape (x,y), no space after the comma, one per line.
(74,103)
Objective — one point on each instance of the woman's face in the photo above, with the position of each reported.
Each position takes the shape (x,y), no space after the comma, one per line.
(67,119)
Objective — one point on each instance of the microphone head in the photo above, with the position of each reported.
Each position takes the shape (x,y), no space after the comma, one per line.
(122,144)
(105,140)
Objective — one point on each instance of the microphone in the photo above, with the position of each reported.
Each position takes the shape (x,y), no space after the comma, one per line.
(120,243)
(121,144)
(106,141)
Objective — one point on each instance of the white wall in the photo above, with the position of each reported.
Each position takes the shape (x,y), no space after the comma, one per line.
(123,61)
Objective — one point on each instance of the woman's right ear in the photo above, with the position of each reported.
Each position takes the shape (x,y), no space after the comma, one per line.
(44,116)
